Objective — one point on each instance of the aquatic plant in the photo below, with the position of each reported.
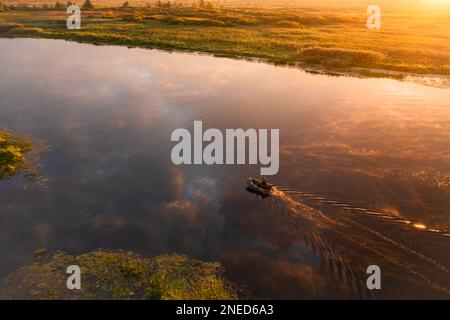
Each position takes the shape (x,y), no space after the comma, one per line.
(109,274)
(12,150)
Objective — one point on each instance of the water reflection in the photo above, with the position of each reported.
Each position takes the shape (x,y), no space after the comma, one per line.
(376,145)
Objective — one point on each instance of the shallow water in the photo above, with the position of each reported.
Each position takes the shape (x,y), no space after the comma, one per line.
(364,169)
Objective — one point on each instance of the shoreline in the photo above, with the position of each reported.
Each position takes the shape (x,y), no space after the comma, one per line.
(427,79)
(334,43)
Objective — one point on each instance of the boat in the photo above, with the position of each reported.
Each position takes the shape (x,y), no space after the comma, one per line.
(261,187)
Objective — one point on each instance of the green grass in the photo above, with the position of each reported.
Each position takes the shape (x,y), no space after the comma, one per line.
(119,275)
(335,40)
(12,150)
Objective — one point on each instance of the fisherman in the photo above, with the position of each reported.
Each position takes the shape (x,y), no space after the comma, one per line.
(264,183)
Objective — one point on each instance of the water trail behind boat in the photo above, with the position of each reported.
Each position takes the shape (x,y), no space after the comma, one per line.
(311,226)
(293,199)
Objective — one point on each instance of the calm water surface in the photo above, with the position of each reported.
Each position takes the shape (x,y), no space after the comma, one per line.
(364,169)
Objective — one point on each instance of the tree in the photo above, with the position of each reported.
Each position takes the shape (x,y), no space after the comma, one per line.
(126,4)
(59,6)
(88,5)
(22,6)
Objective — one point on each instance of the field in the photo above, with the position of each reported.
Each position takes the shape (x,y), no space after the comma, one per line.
(332,40)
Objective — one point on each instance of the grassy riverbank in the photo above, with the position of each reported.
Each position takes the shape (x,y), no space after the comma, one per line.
(333,40)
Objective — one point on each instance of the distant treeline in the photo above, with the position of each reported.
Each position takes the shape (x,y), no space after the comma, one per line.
(88,4)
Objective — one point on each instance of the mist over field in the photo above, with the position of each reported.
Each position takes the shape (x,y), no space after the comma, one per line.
(403,4)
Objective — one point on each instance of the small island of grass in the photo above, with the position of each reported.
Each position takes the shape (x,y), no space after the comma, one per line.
(119,275)
(12,150)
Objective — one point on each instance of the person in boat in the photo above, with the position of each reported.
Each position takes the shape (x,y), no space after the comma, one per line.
(265,183)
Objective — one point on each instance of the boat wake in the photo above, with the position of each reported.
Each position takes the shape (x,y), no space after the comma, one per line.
(324,225)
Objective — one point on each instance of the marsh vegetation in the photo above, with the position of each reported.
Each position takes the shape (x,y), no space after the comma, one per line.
(328,39)
(119,275)
(12,153)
